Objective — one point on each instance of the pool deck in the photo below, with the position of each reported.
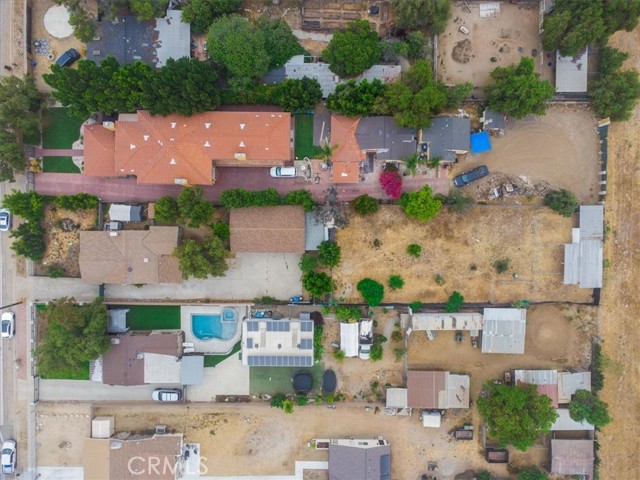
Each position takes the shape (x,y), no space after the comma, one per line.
(213,346)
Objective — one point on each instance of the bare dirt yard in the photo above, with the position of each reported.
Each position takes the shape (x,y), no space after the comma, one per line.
(505,38)
(557,150)
(461,248)
(62,237)
(60,433)
(619,441)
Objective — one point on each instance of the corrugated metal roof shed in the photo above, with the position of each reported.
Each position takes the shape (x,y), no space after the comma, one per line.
(349,339)
(546,381)
(571,72)
(192,371)
(446,321)
(397,398)
(458,387)
(571,263)
(583,258)
(564,423)
(504,330)
(569,383)
(572,457)
(591,263)
(592,222)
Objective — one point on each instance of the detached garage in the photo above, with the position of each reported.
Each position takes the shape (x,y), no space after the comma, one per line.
(349,339)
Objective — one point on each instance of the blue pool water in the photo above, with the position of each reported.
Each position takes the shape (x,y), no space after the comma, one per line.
(206,326)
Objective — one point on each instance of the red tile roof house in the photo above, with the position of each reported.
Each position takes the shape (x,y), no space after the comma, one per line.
(186,150)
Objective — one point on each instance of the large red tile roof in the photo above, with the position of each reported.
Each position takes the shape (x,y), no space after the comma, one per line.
(176,149)
(347,154)
(100,141)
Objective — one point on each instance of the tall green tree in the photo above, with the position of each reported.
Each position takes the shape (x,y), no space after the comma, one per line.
(28,205)
(146,10)
(329,253)
(572,25)
(193,208)
(422,204)
(516,415)
(356,99)
(167,210)
(239,46)
(11,156)
(562,201)
(184,86)
(621,14)
(74,335)
(586,406)
(414,14)
(29,241)
(19,105)
(317,283)
(279,41)
(351,51)
(200,259)
(202,13)
(415,98)
(518,91)
(532,473)
(615,95)
(371,291)
(297,95)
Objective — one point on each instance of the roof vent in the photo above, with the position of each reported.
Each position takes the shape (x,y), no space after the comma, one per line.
(242,145)
(242,125)
(146,137)
(207,125)
(173,161)
(129,269)
(180,181)
(172,139)
(146,260)
(115,341)
(132,146)
(207,144)
(113,234)
(173,124)
(240,156)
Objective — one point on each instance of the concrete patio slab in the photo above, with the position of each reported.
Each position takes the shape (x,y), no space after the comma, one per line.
(229,377)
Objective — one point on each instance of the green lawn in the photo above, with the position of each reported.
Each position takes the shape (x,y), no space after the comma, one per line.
(278,379)
(153,317)
(304,146)
(59,130)
(83,374)
(213,360)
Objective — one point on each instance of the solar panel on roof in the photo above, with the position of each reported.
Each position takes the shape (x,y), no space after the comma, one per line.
(385,465)
(306,326)
(306,344)
(252,326)
(249,342)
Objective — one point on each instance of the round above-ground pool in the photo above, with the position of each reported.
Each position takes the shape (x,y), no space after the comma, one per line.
(215,326)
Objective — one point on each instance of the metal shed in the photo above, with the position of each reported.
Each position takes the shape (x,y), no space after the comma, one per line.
(118,320)
(583,258)
(125,213)
(504,330)
(349,339)
(571,72)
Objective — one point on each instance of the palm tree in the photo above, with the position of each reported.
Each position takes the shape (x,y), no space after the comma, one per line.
(326,151)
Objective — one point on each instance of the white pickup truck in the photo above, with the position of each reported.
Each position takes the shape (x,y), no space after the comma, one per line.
(365,338)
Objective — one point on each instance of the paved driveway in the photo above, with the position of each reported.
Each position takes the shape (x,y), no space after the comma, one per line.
(79,390)
(250,275)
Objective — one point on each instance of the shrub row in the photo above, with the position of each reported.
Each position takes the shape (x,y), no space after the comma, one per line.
(241,198)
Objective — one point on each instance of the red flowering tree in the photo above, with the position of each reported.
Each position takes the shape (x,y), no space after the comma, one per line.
(391,183)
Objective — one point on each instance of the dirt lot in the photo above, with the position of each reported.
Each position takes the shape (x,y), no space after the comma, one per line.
(60,432)
(619,442)
(57,46)
(462,249)
(516,27)
(63,247)
(559,149)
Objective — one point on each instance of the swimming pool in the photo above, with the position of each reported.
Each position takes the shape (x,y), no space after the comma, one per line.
(208,326)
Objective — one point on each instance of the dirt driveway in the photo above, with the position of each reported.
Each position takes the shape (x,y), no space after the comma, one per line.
(461,249)
(505,39)
(560,148)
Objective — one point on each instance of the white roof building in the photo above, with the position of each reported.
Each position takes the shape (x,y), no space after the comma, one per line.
(287,342)
(564,423)
(397,398)
(504,330)
(571,72)
(446,321)
(583,257)
(569,383)
(349,339)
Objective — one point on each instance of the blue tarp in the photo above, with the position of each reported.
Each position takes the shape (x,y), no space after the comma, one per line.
(480,142)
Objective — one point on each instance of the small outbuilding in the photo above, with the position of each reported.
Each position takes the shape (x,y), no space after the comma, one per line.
(571,72)
(125,213)
(117,320)
(504,330)
(349,339)
(572,457)
(583,257)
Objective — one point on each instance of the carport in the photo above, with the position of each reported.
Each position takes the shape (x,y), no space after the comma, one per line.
(349,339)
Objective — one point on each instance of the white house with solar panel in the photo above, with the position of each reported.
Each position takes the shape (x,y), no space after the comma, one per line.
(287,342)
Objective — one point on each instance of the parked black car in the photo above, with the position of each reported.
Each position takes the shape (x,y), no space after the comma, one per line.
(471,176)
(68,58)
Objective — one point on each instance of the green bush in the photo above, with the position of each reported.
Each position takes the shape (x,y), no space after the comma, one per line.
(455,302)
(422,204)
(221,230)
(240,198)
(532,473)
(300,197)
(193,207)
(339,355)
(81,201)
(396,336)
(278,400)
(414,250)
(365,205)
(318,347)
(502,265)
(372,291)
(395,282)
(344,314)
(166,210)
(302,400)
(29,241)
(562,201)
(55,272)
(399,353)
(415,306)
(439,280)
(28,205)
(317,283)
(308,262)
(329,253)
(287,406)
(376,353)
(586,406)
(597,373)
(483,475)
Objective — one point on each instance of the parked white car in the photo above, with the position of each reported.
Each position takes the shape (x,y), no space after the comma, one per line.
(283,172)
(167,394)
(8,324)
(9,456)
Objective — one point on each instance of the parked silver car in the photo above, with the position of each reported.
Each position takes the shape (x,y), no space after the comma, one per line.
(167,395)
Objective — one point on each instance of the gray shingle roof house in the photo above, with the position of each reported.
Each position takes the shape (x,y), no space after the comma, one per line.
(583,257)
(446,137)
(356,460)
(384,137)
